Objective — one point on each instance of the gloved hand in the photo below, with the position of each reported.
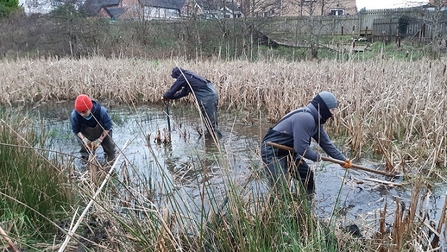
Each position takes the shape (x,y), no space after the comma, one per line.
(86,142)
(96,144)
(164,99)
(347,164)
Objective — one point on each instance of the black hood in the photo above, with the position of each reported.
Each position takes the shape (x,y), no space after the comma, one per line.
(320,105)
(176,71)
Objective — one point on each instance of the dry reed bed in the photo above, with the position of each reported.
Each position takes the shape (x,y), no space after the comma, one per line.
(396,108)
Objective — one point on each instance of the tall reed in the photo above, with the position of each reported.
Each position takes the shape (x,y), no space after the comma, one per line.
(33,195)
(412,226)
(392,109)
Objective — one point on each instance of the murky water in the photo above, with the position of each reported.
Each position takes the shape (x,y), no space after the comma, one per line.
(190,165)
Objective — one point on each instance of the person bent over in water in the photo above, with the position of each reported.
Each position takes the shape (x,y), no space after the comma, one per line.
(205,93)
(92,125)
(296,130)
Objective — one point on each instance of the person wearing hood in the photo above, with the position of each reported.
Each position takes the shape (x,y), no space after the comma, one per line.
(92,125)
(205,93)
(296,130)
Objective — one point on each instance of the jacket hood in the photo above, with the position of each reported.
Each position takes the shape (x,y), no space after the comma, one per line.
(176,71)
(322,108)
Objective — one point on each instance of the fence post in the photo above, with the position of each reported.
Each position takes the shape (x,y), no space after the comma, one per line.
(423,31)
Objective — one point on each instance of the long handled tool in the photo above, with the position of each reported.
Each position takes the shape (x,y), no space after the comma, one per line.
(167,115)
(354,166)
(73,229)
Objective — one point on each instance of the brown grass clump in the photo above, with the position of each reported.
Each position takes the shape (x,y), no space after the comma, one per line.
(390,108)
(412,228)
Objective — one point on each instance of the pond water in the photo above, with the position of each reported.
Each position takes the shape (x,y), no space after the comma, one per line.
(190,164)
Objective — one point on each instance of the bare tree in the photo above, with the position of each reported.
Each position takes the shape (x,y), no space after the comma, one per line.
(438,18)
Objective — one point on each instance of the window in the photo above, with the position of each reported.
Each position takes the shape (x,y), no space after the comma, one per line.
(336,12)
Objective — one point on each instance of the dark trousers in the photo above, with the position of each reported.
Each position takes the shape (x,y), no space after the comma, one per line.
(208,108)
(280,163)
(277,169)
(94,133)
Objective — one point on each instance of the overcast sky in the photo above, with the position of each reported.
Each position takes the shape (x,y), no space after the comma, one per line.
(386,4)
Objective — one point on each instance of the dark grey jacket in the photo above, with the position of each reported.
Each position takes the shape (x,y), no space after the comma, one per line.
(296,130)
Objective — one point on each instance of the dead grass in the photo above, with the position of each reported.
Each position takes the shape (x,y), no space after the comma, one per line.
(390,108)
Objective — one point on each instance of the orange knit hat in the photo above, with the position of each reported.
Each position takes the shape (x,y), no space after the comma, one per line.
(83,103)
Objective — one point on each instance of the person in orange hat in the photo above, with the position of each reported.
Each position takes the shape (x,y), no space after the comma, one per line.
(92,125)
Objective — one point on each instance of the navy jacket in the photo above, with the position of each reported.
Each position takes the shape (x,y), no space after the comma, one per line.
(181,88)
(99,112)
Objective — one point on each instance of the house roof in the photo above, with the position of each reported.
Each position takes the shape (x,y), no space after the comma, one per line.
(115,12)
(167,4)
(215,5)
(92,7)
(233,6)
(207,4)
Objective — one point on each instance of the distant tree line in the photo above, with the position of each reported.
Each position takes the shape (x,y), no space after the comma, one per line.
(69,32)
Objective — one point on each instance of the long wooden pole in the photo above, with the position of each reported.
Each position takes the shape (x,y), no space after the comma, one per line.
(340,162)
(87,208)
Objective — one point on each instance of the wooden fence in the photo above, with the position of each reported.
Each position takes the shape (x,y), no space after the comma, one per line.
(416,23)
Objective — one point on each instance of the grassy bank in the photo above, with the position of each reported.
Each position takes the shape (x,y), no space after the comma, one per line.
(77,36)
(34,196)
